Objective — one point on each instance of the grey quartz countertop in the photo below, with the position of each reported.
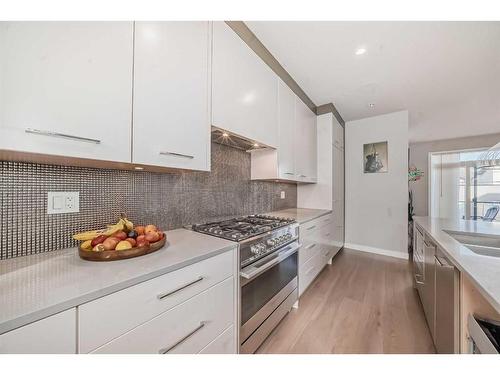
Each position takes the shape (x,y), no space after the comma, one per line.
(36,286)
(483,271)
(301,215)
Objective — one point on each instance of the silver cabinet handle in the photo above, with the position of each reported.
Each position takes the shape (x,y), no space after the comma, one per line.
(166,294)
(171,347)
(310,246)
(289,173)
(302,175)
(257,268)
(61,135)
(176,154)
(314,226)
(442,262)
(417,281)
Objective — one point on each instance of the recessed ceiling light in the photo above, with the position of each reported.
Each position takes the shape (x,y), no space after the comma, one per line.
(371,105)
(360,51)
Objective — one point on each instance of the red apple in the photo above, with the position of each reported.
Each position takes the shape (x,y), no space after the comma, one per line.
(98,240)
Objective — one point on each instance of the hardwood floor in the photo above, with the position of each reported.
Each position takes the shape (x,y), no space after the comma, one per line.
(362,303)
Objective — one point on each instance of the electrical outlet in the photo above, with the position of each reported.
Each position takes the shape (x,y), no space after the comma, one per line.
(62,202)
(282,195)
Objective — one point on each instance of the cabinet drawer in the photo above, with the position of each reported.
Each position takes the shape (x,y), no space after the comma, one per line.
(187,328)
(142,302)
(53,335)
(326,220)
(223,344)
(308,250)
(309,229)
(309,271)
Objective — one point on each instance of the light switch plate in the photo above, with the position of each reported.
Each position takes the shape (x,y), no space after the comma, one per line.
(282,195)
(63,202)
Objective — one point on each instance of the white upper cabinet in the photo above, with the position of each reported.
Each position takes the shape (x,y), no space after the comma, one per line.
(306,143)
(244,89)
(66,88)
(171,125)
(286,148)
(296,156)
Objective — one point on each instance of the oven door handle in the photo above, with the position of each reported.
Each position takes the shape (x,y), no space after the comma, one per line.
(252,271)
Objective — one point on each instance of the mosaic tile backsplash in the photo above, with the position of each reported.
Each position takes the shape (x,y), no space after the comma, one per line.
(168,200)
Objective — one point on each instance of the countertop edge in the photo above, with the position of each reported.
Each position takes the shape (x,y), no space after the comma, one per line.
(45,312)
(487,295)
(316,217)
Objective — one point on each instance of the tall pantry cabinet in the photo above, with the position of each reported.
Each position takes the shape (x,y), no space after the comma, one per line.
(328,192)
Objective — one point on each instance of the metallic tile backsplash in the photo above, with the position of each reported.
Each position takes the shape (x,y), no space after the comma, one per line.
(168,200)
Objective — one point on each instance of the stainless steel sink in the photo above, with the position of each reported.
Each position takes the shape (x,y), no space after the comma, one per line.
(481,244)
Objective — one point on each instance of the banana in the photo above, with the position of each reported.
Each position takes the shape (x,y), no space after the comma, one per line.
(122,224)
(128,224)
(90,235)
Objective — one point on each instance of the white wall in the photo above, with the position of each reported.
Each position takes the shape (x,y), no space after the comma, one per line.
(377,203)
(319,195)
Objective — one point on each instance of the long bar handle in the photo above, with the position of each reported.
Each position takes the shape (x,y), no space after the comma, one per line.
(171,347)
(61,135)
(443,262)
(168,153)
(166,294)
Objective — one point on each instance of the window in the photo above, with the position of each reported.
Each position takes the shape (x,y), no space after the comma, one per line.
(461,187)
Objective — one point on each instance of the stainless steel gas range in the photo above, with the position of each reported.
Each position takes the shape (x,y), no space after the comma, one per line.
(268,271)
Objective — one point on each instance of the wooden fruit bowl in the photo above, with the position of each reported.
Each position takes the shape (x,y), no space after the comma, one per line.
(109,255)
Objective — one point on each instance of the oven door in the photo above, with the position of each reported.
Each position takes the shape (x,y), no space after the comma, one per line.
(265,284)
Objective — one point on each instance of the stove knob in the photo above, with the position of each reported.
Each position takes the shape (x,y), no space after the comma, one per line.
(254,249)
(271,242)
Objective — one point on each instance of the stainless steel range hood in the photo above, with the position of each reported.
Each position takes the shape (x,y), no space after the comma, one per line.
(230,139)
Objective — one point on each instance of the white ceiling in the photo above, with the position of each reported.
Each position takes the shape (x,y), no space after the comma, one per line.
(447,74)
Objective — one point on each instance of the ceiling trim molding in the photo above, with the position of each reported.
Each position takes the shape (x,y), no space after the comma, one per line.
(244,32)
(330,108)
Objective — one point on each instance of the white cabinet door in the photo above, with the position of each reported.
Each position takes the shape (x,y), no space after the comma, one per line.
(53,335)
(171,125)
(305,142)
(66,88)
(244,90)
(338,195)
(286,149)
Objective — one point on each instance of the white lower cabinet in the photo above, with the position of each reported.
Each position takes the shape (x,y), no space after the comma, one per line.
(223,344)
(142,302)
(187,328)
(318,247)
(53,335)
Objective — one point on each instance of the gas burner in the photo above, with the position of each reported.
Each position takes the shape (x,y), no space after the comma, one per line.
(242,228)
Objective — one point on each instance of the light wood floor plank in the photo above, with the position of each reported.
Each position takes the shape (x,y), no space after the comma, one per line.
(362,303)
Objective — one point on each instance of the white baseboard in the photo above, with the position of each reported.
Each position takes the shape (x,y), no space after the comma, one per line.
(375,250)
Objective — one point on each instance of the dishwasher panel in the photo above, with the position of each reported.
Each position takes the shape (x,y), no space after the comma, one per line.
(446,335)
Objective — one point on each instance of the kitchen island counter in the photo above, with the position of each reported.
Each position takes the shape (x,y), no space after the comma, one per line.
(483,271)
